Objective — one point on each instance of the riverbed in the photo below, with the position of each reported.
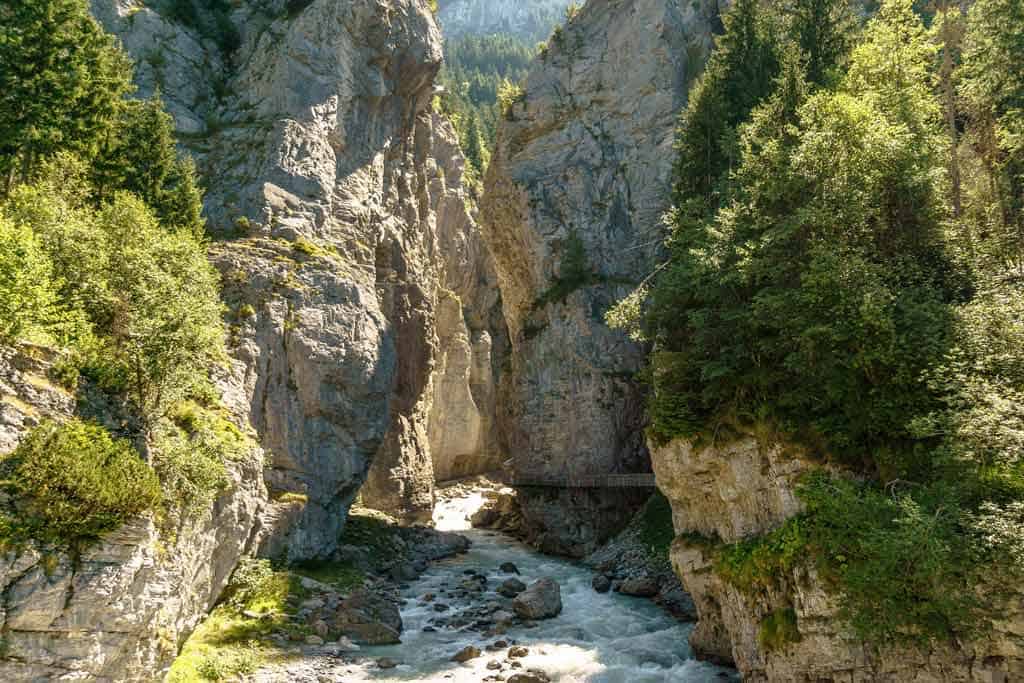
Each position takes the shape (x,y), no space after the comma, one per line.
(598,638)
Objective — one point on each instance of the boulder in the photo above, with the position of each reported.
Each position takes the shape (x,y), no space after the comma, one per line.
(467,653)
(368,619)
(542,600)
(601,583)
(640,587)
(530,677)
(509,568)
(510,588)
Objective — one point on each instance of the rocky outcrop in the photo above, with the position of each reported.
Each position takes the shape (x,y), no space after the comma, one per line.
(346,245)
(117,610)
(741,488)
(530,20)
(582,172)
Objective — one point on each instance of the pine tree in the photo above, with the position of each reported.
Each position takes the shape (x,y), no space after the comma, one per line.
(738,76)
(61,82)
(824,31)
(139,156)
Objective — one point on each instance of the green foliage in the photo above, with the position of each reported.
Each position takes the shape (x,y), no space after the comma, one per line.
(230,643)
(778,629)
(766,562)
(574,272)
(738,76)
(73,483)
(821,293)
(139,156)
(824,286)
(509,94)
(656,529)
(62,78)
(28,292)
(904,561)
(474,71)
(992,91)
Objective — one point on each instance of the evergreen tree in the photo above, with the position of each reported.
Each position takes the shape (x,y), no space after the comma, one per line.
(139,156)
(61,81)
(474,147)
(824,30)
(992,87)
(738,76)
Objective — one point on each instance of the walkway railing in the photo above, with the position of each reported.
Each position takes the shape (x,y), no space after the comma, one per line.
(584,481)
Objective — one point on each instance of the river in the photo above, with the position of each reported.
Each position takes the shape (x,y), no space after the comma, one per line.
(598,638)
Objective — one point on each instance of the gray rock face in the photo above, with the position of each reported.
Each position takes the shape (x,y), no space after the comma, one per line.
(531,20)
(117,611)
(586,157)
(541,600)
(349,250)
(743,488)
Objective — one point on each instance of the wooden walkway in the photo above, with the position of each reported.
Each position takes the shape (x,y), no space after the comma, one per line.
(584,481)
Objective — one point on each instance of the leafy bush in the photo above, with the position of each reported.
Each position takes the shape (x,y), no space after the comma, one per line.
(73,483)
(28,296)
(905,561)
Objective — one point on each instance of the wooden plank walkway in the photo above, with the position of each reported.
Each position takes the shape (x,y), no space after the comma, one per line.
(585,481)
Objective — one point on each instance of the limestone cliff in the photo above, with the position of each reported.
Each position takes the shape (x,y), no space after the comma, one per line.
(583,163)
(744,487)
(116,611)
(345,232)
(360,302)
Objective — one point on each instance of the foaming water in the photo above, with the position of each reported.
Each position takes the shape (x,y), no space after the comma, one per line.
(598,638)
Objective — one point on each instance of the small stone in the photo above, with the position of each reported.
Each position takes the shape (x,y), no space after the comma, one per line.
(601,583)
(320,628)
(509,568)
(517,652)
(530,676)
(494,665)
(467,653)
(314,640)
(386,663)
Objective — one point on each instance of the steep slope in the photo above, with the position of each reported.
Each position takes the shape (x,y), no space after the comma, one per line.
(581,173)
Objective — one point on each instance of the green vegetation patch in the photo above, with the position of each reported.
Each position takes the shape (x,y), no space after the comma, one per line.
(72,483)
(778,629)
(234,639)
(656,529)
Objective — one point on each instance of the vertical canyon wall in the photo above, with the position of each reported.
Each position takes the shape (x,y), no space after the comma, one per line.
(583,168)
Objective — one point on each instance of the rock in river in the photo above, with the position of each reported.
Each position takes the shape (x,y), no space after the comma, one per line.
(542,600)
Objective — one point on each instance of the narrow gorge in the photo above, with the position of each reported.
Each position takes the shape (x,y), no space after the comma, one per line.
(448,325)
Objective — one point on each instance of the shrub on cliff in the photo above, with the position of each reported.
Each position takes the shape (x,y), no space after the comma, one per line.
(150,295)
(28,296)
(73,482)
